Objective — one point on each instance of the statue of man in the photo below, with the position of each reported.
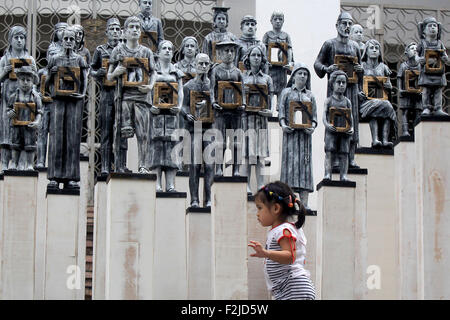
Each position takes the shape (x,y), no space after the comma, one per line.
(248,39)
(150,24)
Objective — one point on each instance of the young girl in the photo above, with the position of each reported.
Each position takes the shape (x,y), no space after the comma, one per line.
(285,249)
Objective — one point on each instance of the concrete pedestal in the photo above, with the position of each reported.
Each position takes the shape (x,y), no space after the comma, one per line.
(82,221)
(382,225)
(310,228)
(432,141)
(275,139)
(199,251)
(18,235)
(41,235)
(99,252)
(63,278)
(182,185)
(130,236)
(169,272)
(365,136)
(229,238)
(340,247)
(405,195)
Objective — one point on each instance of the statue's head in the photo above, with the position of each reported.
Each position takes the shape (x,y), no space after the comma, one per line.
(338,81)
(202,63)
(113,30)
(227,50)
(255,57)
(146,6)
(132,28)
(411,50)
(430,28)
(17,38)
(165,50)
(248,26)
(372,50)
(189,47)
(79,35)
(356,33)
(344,24)
(220,19)
(69,37)
(277,20)
(26,78)
(301,77)
(59,31)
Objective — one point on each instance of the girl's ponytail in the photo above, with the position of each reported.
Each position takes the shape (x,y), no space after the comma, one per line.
(301,213)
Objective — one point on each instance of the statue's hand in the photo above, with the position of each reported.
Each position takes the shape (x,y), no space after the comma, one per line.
(362,95)
(287,129)
(190,117)
(350,132)
(145,88)
(154,110)
(330,128)
(120,70)
(358,68)
(216,106)
(309,131)
(77,95)
(388,85)
(332,68)
(421,60)
(12,114)
(175,110)
(101,72)
(241,108)
(33,125)
(54,69)
(265,113)
(7,69)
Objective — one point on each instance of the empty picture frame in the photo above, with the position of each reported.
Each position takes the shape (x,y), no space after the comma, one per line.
(433,61)
(300,115)
(411,81)
(22,105)
(133,65)
(373,87)
(261,91)
(67,81)
(234,89)
(278,50)
(17,63)
(165,95)
(149,39)
(346,64)
(336,114)
(201,107)
(106,82)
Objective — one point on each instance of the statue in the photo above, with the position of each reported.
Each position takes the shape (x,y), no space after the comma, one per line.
(67,81)
(280,63)
(259,94)
(43,130)
(219,33)
(133,66)
(167,103)
(375,104)
(227,100)
(247,40)
(344,54)
(298,119)
(196,98)
(79,46)
(432,57)
(188,52)
(409,97)
(356,34)
(151,26)
(99,71)
(15,56)
(24,110)
(338,121)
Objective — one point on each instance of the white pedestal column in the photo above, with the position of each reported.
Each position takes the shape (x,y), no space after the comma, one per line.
(229,238)
(169,272)
(199,248)
(432,141)
(63,279)
(132,155)
(99,253)
(405,195)
(1,228)
(82,222)
(41,234)
(18,235)
(310,228)
(182,185)
(365,137)
(275,139)
(382,225)
(130,236)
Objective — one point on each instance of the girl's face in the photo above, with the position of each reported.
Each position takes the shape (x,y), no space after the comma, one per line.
(255,58)
(18,42)
(79,36)
(340,84)
(190,48)
(300,78)
(431,29)
(277,22)
(373,51)
(412,51)
(266,215)
(221,21)
(166,51)
(356,33)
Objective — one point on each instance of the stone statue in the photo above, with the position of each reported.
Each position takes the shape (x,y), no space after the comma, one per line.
(226,82)
(377,109)
(134,63)
(15,56)
(99,71)
(296,152)
(409,97)
(43,130)
(432,59)
(278,39)
(164,120)
(247,40)
(186,63)
(198,88)
(343,48)
(79,46)
(67,81)
(356,34)
(24,110)
(338,121)
(219,33)
(151,26)
(258,92)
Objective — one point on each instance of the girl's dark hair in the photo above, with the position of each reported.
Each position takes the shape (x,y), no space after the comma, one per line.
(279,192)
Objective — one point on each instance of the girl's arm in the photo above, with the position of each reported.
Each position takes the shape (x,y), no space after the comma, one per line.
(286,255)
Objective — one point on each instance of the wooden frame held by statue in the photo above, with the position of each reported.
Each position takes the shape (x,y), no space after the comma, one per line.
(345,113)
(438,66)
(67,76)
(346,64)
(372,86)
(222,86)
(411,81)
(165,95)
(135,63)
(306,109)
(45,95)
(17,63)
(256,89)
(22,105)
(198,97)
(283,46)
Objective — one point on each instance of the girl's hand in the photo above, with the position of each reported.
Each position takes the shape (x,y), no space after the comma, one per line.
(260,252)
(421,60)
(287,129)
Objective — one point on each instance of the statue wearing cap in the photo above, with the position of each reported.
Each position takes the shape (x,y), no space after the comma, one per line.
(100,63)
(56,44)
(247,40)
(325,64)
(219,34)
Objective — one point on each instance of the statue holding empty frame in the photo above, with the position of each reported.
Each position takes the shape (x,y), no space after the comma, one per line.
(248,40)
(153,33)
(188,52)
(375,105)
(298,119)
(432,59)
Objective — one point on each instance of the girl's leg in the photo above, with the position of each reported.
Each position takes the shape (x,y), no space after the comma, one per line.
(374,131)
(386,130)
(405,123)
(170,179)
(14,161)
(343,166)
(158,179)
(328,167)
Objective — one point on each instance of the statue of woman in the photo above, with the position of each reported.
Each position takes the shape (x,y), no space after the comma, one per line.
(377,109)
(296,157)
(79,47)
(165,122)
(257,146)
(188,52)
(17,39)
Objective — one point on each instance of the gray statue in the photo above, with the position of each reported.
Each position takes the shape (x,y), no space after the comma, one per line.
(296,152)
(230,110)
(377,110)
(15,55)
(326,63)
(151,26)
(338,121)
(281,40)
(24,110)
(257,146)
(54,48)
(247,40)
(199,88)
(409,97)
(164,122)
(188,52)
(219,33)
(67,81)
(432,59)
(134,63)
(99,67)
(356,34)
(79,46)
